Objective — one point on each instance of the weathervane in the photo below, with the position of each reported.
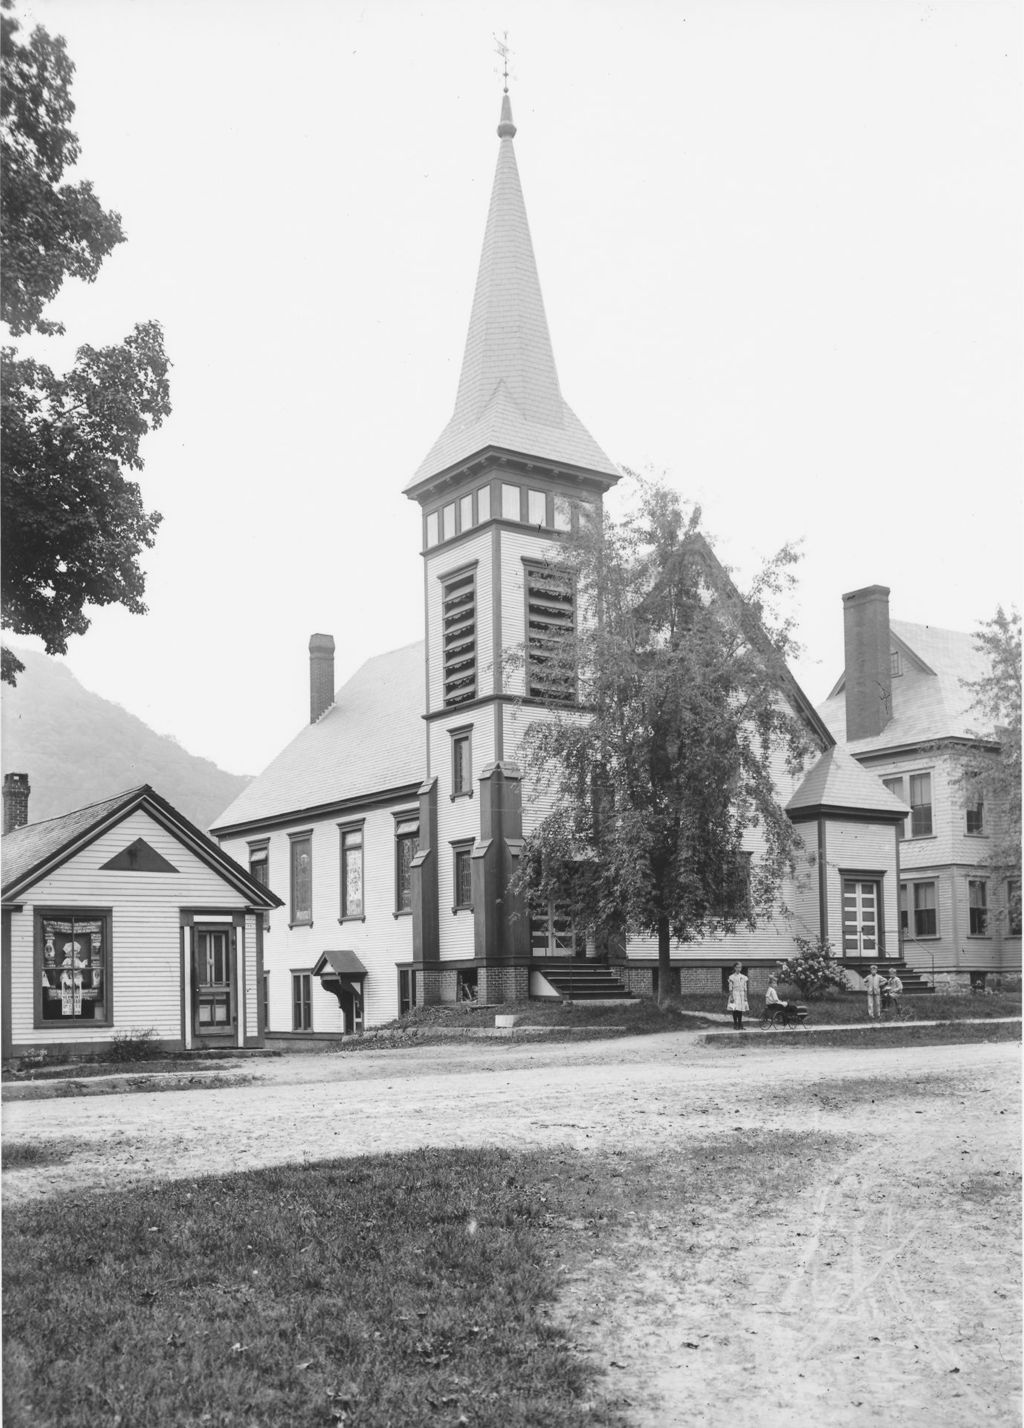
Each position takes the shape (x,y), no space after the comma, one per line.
(501,49)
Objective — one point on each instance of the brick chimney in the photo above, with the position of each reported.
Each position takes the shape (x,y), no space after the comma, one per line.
(868,665)
(16,792)
(321,675)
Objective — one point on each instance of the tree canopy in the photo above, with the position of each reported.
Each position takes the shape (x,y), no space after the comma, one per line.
(668,757)
(73,524)
(991,771)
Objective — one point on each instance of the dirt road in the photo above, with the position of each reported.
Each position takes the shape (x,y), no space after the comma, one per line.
(889,1291)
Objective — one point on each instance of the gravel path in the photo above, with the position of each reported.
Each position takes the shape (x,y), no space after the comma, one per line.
(887,1291)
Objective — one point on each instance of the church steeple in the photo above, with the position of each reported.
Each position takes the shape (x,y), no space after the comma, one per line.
(509,395)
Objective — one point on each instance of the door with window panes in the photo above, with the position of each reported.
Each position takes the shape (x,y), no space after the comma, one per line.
(213,955)
(860,918)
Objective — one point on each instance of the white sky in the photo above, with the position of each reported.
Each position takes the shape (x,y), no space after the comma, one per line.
(779,245)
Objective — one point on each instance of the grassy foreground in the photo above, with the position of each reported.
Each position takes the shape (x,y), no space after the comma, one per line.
(381,1292)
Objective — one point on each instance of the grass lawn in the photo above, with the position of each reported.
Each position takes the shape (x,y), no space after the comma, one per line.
(394,1290)
(949,1033)
(844,1008)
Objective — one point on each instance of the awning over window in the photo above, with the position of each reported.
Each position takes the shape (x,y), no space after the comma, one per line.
(341,967)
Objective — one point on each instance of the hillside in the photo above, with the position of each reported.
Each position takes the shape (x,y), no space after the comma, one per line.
(78,748)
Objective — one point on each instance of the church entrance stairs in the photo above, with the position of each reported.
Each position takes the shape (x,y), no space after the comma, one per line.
(576,980)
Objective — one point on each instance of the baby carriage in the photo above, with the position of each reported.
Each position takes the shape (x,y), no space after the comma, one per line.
(786,1015)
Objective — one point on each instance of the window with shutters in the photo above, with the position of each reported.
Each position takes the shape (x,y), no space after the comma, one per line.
(550,627)
(458,614)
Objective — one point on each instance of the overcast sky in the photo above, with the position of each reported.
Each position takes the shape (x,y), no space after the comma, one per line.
(779,245)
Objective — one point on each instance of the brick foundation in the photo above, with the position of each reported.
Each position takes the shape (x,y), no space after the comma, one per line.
(502,984)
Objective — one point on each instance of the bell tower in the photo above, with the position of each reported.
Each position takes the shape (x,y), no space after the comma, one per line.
(496,491)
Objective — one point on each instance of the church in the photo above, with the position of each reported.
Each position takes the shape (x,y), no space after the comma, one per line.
(392,824)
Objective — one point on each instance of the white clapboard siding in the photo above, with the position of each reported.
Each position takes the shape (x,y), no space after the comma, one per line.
(861,847)
(381,941)
(145,974)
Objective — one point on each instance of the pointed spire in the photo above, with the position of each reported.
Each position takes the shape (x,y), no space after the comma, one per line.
(509,395)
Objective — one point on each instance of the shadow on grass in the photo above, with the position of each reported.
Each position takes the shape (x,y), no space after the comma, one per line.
(411,1289)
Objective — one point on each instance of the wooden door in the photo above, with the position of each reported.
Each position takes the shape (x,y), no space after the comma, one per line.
(213,955)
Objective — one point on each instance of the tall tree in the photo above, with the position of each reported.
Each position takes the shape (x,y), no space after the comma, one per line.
(660,760)
(73,524)
(991,770)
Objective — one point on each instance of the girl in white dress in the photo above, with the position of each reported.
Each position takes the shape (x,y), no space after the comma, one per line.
(737,1002)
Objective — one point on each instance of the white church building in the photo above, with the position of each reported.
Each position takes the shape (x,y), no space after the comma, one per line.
(391,825)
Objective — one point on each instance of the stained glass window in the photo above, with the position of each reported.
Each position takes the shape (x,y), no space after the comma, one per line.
(302,879)
(352,872)
(75,966)
(407,837)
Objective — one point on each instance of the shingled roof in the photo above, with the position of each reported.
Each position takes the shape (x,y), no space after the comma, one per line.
(838,781)
(929,700)
(369,742)
(32,851)
(509,396)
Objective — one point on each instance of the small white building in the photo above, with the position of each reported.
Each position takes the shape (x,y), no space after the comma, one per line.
(124,917)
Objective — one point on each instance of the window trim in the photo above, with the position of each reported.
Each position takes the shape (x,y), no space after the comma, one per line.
(912,909)
(463,732)
(352,825)
(407,815)
(64,912)
(930,805)
(257,846)
(982,907)
(461,847)
(303,835)
(306,1003)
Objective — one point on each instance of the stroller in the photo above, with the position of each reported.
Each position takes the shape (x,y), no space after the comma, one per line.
(790,1016)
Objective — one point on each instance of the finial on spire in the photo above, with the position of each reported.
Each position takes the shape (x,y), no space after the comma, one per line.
(501,48)
(506,129)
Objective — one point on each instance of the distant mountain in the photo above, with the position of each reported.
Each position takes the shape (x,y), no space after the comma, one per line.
(78,748)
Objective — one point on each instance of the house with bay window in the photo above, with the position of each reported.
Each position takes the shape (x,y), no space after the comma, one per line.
(124,917)
(392,824)
(902,711)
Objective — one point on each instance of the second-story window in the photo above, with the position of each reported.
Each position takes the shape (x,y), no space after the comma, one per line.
(458,615)
(407,839)
(551,624)
(920,805)
(976,817)
(352,871)
(301,878)
(462,762)
(895,787)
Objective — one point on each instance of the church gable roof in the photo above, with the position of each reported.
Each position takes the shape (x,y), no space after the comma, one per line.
(368,742)
(509,395)
(929,700)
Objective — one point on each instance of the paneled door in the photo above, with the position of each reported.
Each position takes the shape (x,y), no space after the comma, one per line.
(860,918)
(213,955)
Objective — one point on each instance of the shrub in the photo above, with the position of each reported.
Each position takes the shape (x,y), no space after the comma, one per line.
(135,1045)
(814,970)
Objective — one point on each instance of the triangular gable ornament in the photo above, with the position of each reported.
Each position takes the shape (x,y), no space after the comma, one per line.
(138,857)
